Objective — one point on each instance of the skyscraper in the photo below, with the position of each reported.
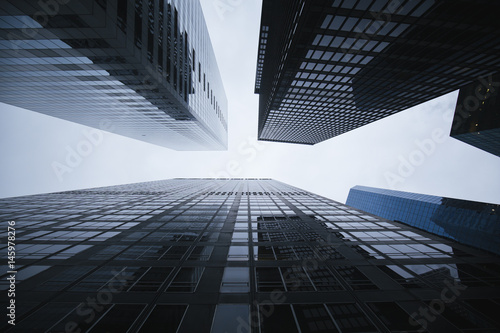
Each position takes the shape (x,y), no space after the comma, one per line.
(241,255)
(468,222)
(144,69)
(477,115)
(329,66)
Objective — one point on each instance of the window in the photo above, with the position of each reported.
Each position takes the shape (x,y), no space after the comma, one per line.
(238,253)
(226,317)
(392,315)
(268,279)
(314,318)
(164,318)
(356,279)
(152,279)
(186,279)
(350,318)
(235,280)
(279,320)
(119,318)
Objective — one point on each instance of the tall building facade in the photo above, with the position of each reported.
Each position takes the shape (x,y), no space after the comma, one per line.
(468,222)
(240,255)
(477,115)
(329,66)
(144,69)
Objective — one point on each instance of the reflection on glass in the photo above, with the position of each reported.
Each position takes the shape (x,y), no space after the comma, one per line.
(186,280)
(237,253)
(175,253)
(353,276)
(392,315)
(235,280)
(228,317)
(241,226)
(201,253)
(296,279)
(268,279)
(350,318)
(108,275)
(401,276)
(279,320)
(164,318)
(263,253)
(152,279)
(119,318)
(314,318)
(240,236)
(433,272)
(53,312)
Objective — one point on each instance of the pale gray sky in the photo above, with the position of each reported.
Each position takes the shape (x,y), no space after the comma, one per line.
(410,151)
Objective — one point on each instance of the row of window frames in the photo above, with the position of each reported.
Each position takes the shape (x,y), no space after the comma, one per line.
(316,75)
(331,56)
(213,100)
(329,89)
(319,84)
(50,44)
(168,317)
(348,317)
(201,252)
(365,27)
(393,101)
(111,318)
(349,44)
(327,76)
(313,95)
(186,279)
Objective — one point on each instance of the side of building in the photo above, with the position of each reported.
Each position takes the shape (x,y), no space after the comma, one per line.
(240,255)
(140,68)
(473,223)
(326,67)
(477,115)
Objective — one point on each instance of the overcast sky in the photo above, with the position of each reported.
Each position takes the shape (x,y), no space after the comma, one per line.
(410,151)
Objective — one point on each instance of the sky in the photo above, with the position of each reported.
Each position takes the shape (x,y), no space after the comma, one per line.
(409,151)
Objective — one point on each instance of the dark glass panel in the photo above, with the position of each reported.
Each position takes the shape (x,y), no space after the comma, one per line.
(118,319)
(314,318)
(296,279)
(186,279)
(164,318)
(392,315)
(268,279)
(459,315)
(279,318)
(350,318)
(490,308)
(229,318)
(152,280)
(122,15)
(87,43)
(355,278)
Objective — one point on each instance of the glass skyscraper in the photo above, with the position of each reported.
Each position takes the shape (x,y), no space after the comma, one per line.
(239,255)
(468,222)
(477,115)
(144,69)
(326,67)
